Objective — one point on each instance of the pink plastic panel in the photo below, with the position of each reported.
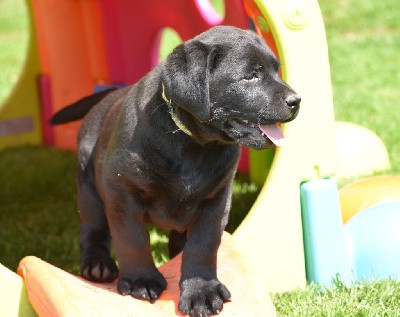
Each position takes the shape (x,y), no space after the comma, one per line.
(131,27)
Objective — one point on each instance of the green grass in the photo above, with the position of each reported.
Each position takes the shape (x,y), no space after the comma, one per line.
(374,299)
(13,43)
(38,206)
(38,200)
(364,39)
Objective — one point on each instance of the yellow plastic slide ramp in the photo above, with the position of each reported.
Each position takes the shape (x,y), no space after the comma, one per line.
(13,295)
(271,233)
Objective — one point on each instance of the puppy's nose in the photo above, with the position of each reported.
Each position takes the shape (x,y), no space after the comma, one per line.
(293,102)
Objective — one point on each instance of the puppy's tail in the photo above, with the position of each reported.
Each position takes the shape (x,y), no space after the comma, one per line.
(79,109)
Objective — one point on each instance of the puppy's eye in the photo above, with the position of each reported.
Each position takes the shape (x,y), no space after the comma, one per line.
(253,76)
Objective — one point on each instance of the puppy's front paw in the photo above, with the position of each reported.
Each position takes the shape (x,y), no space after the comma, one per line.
(146,287)
(99,269)
(202,298)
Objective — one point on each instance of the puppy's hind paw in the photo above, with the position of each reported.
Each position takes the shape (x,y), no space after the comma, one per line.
(200,298)
(99,270)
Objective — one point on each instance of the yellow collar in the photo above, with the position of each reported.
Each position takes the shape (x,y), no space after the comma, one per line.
(172,113)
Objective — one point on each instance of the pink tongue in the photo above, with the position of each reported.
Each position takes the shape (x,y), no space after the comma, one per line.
(274,133)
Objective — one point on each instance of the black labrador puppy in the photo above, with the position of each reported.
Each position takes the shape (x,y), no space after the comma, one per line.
(164,151)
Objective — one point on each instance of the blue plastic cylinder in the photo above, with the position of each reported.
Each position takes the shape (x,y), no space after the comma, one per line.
(325,242)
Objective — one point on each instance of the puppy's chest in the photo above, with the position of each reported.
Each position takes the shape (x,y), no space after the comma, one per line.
(174,200)
(188,179)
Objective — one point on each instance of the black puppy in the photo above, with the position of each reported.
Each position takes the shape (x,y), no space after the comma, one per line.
(165,151)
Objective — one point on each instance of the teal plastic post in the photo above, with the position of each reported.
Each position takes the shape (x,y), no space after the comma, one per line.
(325,243)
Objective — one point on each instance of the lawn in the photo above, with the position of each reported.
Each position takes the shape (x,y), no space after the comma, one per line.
(13,43)
(364,40)
(38,200)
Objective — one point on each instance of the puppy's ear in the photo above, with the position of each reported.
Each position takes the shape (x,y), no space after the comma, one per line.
(185,76)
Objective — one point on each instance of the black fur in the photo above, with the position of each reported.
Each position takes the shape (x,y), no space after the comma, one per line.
(135,165)
(78,109)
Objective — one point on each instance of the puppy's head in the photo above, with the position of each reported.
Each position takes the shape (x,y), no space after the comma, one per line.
(227,79)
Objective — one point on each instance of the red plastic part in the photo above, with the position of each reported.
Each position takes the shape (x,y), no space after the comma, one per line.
(46,108)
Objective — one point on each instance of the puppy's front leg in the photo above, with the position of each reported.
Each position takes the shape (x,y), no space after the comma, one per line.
(202,294)
(138,276)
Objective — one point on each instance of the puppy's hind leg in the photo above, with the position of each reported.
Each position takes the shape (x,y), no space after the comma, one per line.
(96,262)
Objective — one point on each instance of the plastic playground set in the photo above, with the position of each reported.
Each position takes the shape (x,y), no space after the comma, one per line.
(301,227)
